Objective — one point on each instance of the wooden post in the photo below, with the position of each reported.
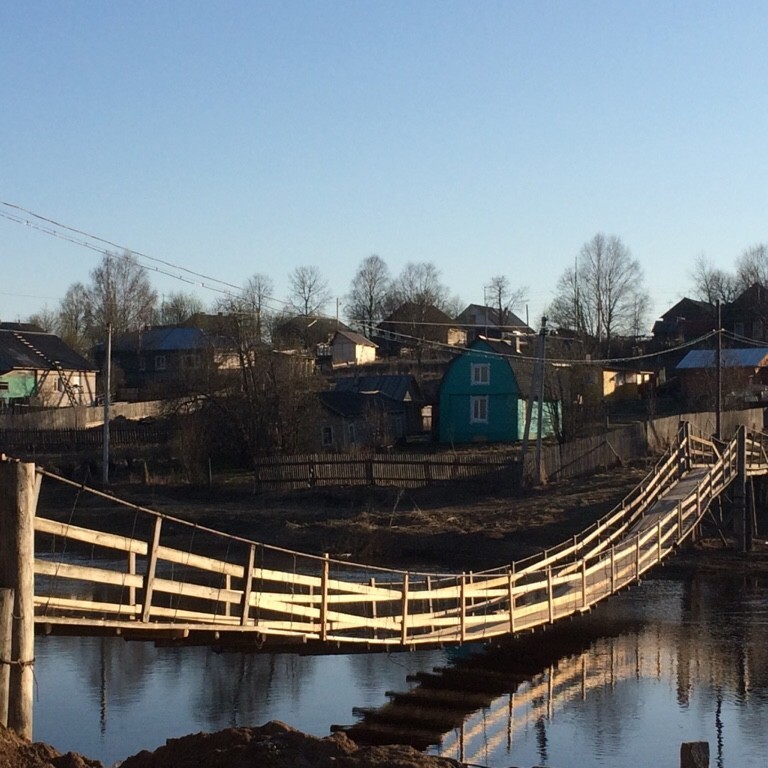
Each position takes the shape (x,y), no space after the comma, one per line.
(550,595)
(740,491)
(324,597)
(149,576)
(613,568)
(511,576)
(245,608)
(463,607)
(7,597)
(637,557)
(694,754)
(584,602)
(18,500)
(404,608)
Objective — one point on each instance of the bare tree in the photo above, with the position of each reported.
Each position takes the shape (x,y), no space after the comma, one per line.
(120,294)
(368,292)
(602,296)
(752,267)
(309,291)
(178,307)
(711,284)
(504,299)
(46,319)
(418,284)
(72,321)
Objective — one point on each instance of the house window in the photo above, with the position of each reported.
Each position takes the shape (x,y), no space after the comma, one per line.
(327,436)
(142,363)
(351,433)
(479,409)
(190,361)
(159,362)
(4,386)
(481,373)
(757,330)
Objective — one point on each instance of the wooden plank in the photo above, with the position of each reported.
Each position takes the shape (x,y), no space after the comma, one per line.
(95,538)
(245,606)
(149,577)
(87,573)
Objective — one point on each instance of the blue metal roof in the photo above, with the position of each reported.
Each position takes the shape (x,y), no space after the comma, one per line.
(751,357)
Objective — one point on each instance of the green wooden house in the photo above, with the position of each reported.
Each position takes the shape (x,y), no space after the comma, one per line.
(484,395)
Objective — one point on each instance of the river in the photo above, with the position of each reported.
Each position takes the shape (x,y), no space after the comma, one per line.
(674,659)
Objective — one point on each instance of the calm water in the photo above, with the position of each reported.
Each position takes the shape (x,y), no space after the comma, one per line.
(680,660)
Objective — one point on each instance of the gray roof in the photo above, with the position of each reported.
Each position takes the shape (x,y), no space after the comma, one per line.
(167,339)
(751,357)
(355,338)
(35,350)
(355,405)
(393,386)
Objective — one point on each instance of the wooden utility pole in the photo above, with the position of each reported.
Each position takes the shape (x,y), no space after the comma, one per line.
(19,487)
(719,375)
(107,387)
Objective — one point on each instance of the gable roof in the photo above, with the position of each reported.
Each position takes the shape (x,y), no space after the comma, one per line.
(689,309)
(469,317)
(355,405)
(168,339)
(36,350)
(394,387)
(355,338)
(751,357)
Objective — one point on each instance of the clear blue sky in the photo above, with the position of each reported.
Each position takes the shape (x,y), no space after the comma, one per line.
(486,137)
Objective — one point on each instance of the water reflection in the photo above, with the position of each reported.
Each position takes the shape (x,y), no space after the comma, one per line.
(670,661)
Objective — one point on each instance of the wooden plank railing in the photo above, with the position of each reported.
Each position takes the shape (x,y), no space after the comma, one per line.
(150,585)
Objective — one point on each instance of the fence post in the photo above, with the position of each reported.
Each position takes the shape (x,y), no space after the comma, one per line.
(324,598)
(404,608)
(6,632)
(511,577)
(19,488)
(584,602)
(550,595)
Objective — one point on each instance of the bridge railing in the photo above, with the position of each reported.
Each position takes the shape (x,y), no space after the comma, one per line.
(149,577)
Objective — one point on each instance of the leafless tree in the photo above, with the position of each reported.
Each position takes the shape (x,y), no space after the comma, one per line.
(418,284)
(602,296)
(46,319)
(368,292)
(178,307)
(120,294)
(72,321)
(711,284)
(503,298)
(752,267)
(309,291)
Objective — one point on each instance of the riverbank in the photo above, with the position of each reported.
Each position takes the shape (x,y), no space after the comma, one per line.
(274,745)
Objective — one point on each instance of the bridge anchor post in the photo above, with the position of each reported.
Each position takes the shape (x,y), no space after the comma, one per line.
(19,487)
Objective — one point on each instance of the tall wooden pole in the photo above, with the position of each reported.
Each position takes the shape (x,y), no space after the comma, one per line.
(18,500)
(719,363)
(6,633)
(107,387)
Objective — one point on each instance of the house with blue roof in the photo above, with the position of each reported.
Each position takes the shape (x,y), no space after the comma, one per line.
(168,358)
(744,375)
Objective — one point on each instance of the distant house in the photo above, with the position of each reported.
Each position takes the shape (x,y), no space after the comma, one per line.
(305,332)
(162,359)
(478,320)
(747,315)
(350,348)
(411,325)
(485,392)
(744,375)
(39,369)
(687,320)
(370,412)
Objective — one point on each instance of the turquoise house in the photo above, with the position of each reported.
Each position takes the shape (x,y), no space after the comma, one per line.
(484,395)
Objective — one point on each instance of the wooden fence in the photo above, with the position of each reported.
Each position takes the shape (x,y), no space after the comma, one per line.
(32,442)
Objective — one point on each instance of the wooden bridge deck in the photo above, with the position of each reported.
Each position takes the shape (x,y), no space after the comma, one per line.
(221,589)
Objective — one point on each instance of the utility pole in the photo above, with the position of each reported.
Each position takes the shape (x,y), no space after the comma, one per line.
(537,391)
(107,377)
(719,375)
(540,414)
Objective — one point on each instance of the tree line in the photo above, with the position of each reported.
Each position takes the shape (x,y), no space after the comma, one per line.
(600,298)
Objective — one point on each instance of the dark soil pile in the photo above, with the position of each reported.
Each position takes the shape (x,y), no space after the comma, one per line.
(16,752)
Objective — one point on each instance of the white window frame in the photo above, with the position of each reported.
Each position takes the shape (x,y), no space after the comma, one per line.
(478,409)
(326,436)
(160,363)
(351,433)
(481,374)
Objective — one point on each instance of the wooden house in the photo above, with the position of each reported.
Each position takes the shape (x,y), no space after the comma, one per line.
(485,392)
(411,326)
(39,369)
(687,320)
(370,412)
(479,320)
(744,376)
(350,348)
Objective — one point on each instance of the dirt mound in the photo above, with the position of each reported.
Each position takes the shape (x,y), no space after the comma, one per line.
(16,752)
(276,745)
